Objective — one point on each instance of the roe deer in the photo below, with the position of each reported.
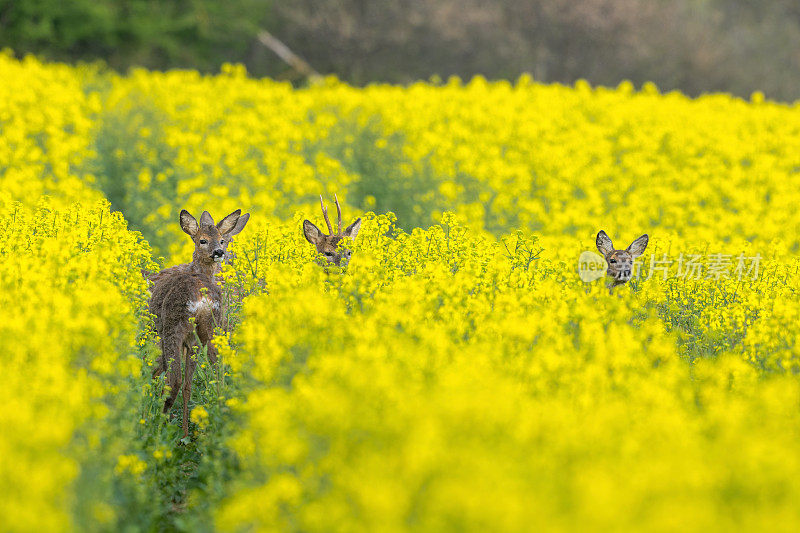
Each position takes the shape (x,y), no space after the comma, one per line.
(187,303)
(187,268)
(327,245)
(620,262)
(205,219)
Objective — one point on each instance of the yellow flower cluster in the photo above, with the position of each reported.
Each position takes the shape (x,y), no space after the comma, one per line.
(46,126)
(459,374)
(562,162)
(441,384)
(71,296)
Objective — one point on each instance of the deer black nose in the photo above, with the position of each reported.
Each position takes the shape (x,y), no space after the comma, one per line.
(218,253)
(627,272)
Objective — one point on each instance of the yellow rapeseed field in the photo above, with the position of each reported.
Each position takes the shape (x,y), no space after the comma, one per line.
(458,374)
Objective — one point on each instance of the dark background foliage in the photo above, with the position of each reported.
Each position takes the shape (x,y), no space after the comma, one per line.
(697,46)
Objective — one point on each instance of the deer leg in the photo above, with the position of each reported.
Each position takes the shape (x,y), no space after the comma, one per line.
(187,387)
(161,362)
(160,367)
(172,355)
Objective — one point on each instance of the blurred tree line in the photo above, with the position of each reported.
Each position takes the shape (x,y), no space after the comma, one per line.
(737,46)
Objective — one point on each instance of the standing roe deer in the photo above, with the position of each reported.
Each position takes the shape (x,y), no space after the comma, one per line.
(187,303)
(327,245)
(205,220)
(620,262)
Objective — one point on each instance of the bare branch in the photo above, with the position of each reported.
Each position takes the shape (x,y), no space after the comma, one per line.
(282,51)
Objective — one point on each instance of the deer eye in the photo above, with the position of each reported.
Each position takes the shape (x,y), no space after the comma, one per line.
(222,241)
(612,261)
(203,241)
(328,254)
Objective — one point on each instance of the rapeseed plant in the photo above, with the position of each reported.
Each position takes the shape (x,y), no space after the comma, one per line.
(457,374)
(71,296)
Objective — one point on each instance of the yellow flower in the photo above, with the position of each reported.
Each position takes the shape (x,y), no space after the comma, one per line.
(130,463)
(200,417)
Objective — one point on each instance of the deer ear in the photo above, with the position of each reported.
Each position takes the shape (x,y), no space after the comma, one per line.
(604,244)
(240,224)
(206,220)
(227,224)
(312,233)
(352,229)
(637,247)
(188,223)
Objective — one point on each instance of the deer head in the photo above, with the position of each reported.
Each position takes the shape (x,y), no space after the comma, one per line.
(211,240)
(328,245)
(620,262)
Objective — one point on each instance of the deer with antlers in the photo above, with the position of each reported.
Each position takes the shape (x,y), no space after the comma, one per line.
(620,262)
(328,245)
(187,303)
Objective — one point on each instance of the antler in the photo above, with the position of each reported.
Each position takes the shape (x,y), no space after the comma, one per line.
(338,216)
(325,214)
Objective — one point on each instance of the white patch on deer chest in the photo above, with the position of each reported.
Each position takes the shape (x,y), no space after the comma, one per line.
(202,305)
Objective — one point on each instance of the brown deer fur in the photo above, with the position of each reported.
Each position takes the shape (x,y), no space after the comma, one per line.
(187,303)
(328,245)
(187,267)
(620,262)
